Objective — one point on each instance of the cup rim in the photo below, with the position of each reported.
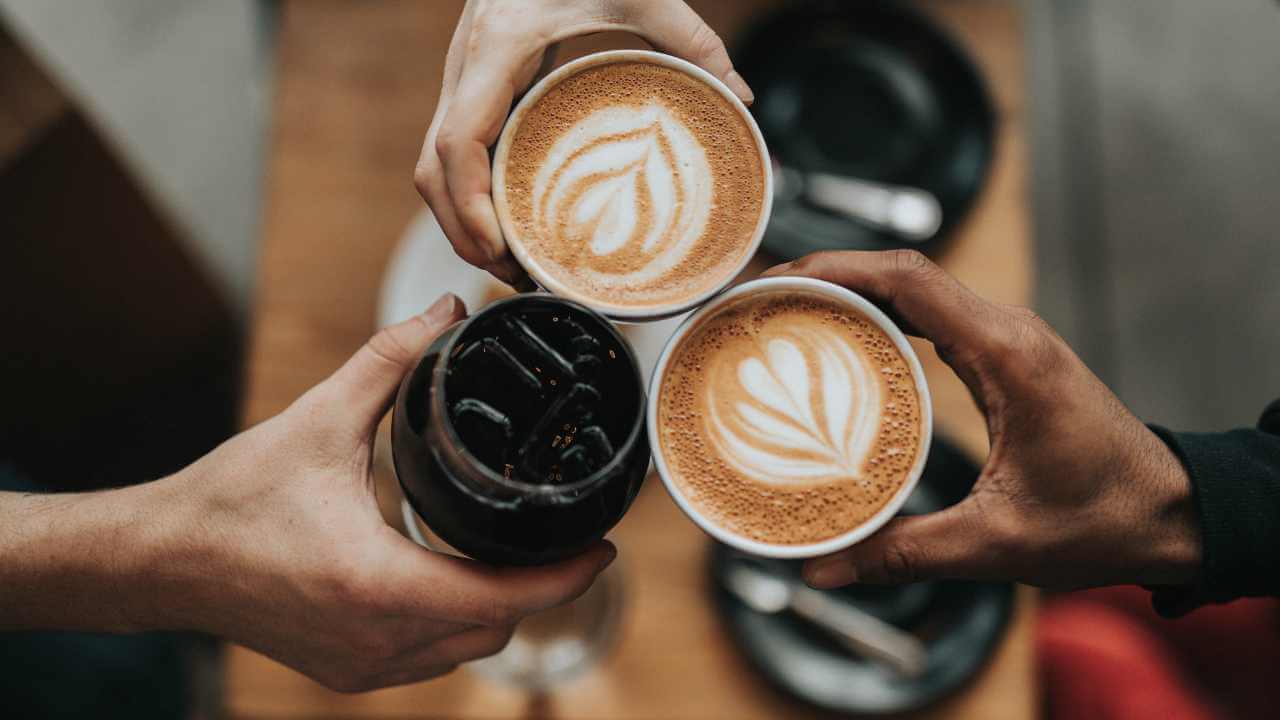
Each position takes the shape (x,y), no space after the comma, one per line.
(530,264)
(851,536)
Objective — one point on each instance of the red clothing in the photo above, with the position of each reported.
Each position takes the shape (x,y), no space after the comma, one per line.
(1105,654)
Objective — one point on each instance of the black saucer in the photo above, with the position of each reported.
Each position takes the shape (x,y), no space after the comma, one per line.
(960,622)
(873,91)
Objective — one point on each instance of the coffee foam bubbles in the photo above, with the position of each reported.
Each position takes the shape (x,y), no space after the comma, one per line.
(788,418)
(632,187)
(632,184)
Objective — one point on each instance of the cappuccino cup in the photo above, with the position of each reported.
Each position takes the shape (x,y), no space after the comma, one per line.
(632,182)
(789,418)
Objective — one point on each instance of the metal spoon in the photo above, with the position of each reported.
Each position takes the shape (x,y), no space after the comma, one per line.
(865,634)
(910,213)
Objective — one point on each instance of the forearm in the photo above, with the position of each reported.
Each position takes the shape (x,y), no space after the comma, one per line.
(83,561)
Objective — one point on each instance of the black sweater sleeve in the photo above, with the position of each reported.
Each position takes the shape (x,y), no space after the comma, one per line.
(1235,484)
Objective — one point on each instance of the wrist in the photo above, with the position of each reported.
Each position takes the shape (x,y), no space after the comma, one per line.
(1173,553)
(149,521)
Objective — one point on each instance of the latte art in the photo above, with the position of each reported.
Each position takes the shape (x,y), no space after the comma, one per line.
(628,192)
(787,417)
(631,185)
(807,411)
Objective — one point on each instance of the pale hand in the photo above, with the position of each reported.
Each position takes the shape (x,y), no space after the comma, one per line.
(274,540)
(497,51)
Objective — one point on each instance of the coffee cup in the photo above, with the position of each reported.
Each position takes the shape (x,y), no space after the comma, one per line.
(632,182)
(789,418)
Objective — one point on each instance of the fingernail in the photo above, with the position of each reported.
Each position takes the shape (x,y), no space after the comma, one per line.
(829,572)
(442,309)
(739,87)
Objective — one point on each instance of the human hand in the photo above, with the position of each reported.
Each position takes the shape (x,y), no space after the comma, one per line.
(274,540)
(498,49)
(1076,491)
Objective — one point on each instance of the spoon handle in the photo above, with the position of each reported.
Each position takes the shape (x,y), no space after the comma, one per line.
(864,633)
(908,212)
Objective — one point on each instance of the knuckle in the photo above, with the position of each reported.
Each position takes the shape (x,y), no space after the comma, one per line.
(704,43)
(424,178)
(447,141)
(1032,321)
(987,515)
(899,564)
(1004,348)
(1025,349)
(911,263)
(353,586)
(388,348)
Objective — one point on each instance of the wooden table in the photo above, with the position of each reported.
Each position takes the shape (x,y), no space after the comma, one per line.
(356,88)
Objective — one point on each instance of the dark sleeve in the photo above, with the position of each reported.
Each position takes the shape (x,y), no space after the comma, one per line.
(1235,485)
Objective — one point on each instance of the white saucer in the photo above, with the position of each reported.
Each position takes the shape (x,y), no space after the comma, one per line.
(424,266)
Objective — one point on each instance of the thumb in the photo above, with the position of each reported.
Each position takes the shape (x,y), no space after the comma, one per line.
(365,385)
(944,544)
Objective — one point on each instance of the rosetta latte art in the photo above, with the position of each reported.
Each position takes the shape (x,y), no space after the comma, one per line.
(807,409)
(630,186)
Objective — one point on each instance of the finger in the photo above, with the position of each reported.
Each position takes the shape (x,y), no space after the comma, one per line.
(474,119)
(945,544)
(463,647)
(923,299)
(428,178)
(428,174)
(461,590)
(674,27)
(365,385)
(509,271)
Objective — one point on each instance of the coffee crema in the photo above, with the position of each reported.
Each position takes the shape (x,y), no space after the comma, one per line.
(634,185)
(788,418)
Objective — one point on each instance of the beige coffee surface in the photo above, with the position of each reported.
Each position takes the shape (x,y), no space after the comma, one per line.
(788,418)
(634,185)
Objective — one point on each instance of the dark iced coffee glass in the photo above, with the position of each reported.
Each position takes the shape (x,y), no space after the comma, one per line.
(519,437)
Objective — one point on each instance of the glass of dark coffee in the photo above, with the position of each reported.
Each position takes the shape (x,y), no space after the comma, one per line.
(519,438)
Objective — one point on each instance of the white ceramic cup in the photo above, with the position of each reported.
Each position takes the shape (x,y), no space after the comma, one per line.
(853,534)
(539,275)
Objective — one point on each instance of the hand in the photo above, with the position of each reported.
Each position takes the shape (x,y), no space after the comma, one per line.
(498,49)
(274,540)
(1076,491)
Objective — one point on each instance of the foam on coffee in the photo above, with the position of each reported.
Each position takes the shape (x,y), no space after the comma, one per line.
(788,418)
(634,184)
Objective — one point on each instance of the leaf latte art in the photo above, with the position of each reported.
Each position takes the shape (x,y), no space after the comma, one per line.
(633,187)
(787,417)
(804,410)
(629,192)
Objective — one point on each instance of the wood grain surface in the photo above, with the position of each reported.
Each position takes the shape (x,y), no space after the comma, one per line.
(357,84)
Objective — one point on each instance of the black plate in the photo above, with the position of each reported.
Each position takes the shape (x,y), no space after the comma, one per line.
(960,622)
(869,90)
